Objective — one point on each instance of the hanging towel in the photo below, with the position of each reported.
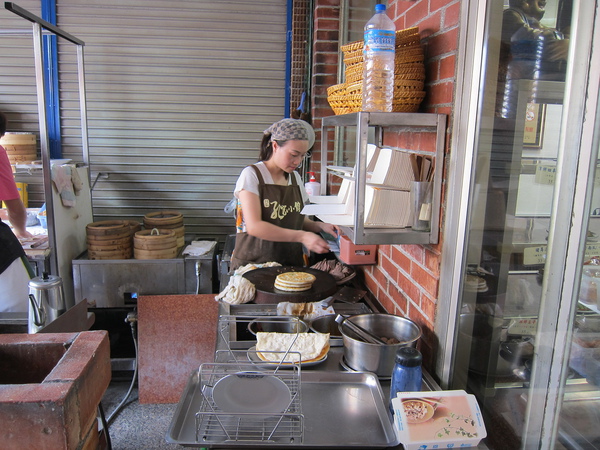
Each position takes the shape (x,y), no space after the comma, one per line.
(76,179)
(62,178)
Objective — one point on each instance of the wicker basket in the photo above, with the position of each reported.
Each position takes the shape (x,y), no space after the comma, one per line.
(407,32)
(409,75)
(401,85)
(354,102)
(336,97)
(409,55)
(410,41)
(352,46)
(354,88)
(414,71)
(407,101)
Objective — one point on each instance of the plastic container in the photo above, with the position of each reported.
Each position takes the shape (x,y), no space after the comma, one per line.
(379,55)
(353,254)
(313,187)
(407,375)
(42,217)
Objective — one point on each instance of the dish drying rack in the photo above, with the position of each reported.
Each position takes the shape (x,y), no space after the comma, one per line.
(216,424)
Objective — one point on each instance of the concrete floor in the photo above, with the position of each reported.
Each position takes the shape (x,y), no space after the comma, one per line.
(136,426)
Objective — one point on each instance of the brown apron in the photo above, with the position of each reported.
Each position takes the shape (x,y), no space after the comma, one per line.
(281,206)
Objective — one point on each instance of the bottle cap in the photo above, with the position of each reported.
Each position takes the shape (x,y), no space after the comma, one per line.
(379,7)
(408,356)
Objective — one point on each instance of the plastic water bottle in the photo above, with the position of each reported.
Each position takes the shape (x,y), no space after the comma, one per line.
(313,187)
(379,53)
(407,375)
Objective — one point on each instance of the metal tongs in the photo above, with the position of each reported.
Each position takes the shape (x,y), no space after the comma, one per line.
(365,335)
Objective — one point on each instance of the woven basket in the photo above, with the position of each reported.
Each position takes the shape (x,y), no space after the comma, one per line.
(354,88)
(354,60)
(410,41)
(352,46)
(414,71)
(354,77)
(336,97)
(407,101)
(354,102)
(408,85)
(407,32)
(353,53)
(336,89)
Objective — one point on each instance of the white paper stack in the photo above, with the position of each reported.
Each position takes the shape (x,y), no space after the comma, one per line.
(385,208)
(346,187)
(392,169)
(387,192)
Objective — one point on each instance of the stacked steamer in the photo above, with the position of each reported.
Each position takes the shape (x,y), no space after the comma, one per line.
(155,244)
(409,71)
(167,220)
(20,147)
(409,75)
(111,239)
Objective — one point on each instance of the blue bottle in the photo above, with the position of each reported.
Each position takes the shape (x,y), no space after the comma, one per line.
(407,374)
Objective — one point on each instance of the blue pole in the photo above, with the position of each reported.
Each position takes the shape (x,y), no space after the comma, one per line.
(50,54)
(288,59)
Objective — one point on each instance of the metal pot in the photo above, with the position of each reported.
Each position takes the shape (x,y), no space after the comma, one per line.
(46,301)
(379,359)
(326,324)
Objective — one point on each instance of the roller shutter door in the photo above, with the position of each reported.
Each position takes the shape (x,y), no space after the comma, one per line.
(178,94)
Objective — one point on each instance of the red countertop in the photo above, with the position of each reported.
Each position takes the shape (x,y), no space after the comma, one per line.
(176,333)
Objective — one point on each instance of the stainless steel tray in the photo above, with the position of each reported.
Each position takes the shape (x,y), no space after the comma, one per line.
(340,409)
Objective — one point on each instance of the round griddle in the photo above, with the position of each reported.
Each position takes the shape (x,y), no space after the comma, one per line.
(264,280)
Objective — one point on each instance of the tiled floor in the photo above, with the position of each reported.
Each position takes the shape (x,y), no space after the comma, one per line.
(137,426)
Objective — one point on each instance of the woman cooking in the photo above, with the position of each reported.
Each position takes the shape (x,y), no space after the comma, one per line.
(270,193)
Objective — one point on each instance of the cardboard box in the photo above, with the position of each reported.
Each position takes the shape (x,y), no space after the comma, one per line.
(353,254)
(438,419)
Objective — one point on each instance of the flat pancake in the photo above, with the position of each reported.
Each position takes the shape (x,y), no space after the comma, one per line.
(311,346)
(295,278)
(294,281)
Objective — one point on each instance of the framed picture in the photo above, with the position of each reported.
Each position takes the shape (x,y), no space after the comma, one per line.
(535,118)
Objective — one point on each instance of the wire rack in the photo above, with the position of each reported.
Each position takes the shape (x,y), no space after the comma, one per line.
(235,420)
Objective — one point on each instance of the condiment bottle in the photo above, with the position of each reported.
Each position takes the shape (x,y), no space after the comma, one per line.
(407,374)
(313,187)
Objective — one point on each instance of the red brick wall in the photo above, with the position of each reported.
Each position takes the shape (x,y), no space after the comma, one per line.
(406,277)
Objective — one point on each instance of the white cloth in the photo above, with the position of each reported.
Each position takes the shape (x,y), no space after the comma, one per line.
(239,290)
(14,288)
(199,248)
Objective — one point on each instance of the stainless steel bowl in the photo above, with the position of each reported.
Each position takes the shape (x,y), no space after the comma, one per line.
(379,359)
(278,324)
(326,324)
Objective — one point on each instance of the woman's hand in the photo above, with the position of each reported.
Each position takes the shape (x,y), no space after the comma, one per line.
(314,242)
(331,229)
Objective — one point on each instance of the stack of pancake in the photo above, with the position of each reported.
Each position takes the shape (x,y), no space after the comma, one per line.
(294,281)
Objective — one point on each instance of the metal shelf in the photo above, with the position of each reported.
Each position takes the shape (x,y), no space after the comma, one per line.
(400,122)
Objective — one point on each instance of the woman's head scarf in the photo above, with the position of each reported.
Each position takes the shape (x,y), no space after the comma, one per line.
(292,130)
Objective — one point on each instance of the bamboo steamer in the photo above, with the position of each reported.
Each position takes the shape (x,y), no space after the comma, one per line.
(167,220)
(109,239)
(109,254)
(163,219)
(20,147)
(107,228)
(155,244)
